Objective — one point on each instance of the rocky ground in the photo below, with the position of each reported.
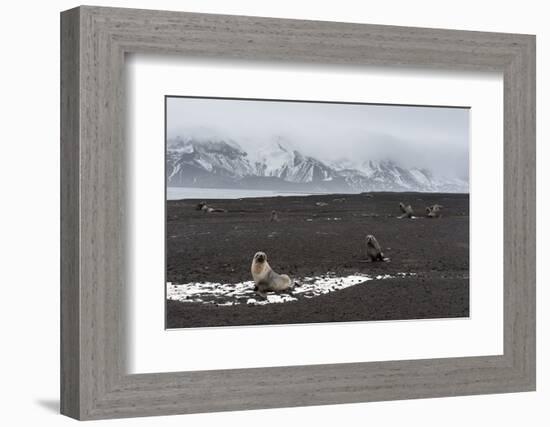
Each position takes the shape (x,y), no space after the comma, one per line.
(321,236)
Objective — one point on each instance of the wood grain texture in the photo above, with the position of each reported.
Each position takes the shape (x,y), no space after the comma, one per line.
(94,272)
(70,259)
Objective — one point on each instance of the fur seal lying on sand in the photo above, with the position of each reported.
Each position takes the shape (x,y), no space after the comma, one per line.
(202,206)
(407,211)
(433,211)
(374,251)
(265,278)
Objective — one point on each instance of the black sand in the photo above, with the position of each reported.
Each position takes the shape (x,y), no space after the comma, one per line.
(311,240)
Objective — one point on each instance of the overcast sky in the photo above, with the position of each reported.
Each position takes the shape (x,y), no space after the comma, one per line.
(436,138)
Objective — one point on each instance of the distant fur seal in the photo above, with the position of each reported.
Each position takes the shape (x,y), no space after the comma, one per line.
(202,206)
(434,211)
(374,251)
(274,217)
(265,278)
(407,211)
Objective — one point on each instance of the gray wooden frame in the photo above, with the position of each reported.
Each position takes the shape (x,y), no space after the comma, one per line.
(94,382)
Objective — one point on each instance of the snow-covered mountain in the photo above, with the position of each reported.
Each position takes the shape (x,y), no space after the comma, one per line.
(222,163)
(277,159)
(195,162)
(389,176)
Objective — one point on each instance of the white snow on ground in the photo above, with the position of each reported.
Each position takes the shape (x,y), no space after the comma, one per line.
(225,294)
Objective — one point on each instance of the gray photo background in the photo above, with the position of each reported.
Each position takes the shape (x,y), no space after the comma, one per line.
(316,147)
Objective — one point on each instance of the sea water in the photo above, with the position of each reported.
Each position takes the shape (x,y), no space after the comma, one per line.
(178,193)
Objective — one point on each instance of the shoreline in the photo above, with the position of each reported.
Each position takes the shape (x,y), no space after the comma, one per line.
(283,193)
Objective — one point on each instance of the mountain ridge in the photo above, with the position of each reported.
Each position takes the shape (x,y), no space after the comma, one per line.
(223,163)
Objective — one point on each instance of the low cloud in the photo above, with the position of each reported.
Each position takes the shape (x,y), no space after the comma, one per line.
(435,138)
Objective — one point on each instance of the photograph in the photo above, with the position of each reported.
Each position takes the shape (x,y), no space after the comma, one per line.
(282,212)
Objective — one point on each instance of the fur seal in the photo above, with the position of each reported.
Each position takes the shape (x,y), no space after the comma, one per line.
(202,206)
(274,217)
(407,211)
(265,278)
(374,252)
(434,211)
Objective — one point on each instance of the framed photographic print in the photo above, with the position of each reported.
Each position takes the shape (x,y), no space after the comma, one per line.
(296,212)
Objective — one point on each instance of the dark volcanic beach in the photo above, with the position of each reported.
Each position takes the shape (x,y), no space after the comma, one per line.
(427,275)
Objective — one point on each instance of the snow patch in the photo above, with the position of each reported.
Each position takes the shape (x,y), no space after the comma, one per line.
(229,294)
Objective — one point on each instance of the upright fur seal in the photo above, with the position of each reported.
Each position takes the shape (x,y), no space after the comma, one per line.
(407,211)
(265,278)
(374,251)
(274,217)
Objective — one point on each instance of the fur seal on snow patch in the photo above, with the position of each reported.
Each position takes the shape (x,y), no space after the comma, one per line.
(265,278)
(374,252)
(407,211)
